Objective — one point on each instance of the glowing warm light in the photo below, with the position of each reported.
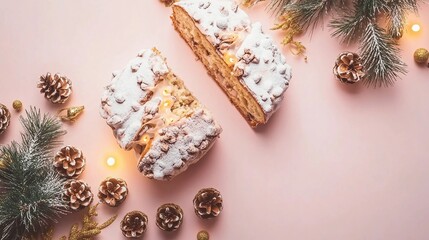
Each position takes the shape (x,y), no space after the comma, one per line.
(415,28)
(166,104)
(111,161)
(230,59)
(145,138)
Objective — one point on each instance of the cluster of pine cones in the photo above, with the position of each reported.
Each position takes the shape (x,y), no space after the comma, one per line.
(69,162)
(169,217)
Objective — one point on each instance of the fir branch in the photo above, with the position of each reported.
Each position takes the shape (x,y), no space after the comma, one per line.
(349,27)
(380,57)
(396,15)
(30,196)
(355,23)
(309,13)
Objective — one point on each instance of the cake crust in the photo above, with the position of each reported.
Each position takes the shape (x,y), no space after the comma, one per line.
(150,110)
(249,56)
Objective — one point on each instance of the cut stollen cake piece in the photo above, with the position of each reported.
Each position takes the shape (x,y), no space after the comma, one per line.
(237,54)
(150,110)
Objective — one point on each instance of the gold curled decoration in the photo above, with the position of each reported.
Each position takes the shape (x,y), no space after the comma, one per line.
(70,114)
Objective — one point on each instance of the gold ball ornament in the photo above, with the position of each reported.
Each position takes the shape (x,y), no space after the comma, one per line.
(17,105)
(203,235)
(421,55)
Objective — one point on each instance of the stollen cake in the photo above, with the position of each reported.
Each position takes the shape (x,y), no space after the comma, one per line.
(150,110)
(237,54)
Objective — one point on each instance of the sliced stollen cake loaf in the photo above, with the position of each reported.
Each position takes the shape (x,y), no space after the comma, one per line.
(237,54)
(150,110)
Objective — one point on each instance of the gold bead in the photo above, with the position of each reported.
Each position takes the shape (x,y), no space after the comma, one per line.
(17,105)
(203,235)
(230,59)
(421,55)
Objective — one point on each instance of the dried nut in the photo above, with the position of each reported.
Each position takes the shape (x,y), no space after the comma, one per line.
(248,56)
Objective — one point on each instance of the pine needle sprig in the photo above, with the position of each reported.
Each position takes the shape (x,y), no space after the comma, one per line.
(380,57)
(350,27)
(309,13)
(396,11)
(30,189)
(355,21)
(378,49)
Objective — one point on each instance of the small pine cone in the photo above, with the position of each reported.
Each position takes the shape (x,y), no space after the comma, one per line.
(56,88)
(69,162)
(349,68)
(208,203)
(4,118)
(113,191)
(134,224)
(168,2)
(169,217)
(77,194)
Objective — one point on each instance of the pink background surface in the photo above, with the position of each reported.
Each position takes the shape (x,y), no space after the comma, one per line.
(335,162)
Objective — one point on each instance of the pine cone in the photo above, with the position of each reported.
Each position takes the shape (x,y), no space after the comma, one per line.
(348,68)
(169,217)
(78,194)
(4,118)
(113,191)
(134,224)
(168,3)
(69,162)
(208,203)
(56,88)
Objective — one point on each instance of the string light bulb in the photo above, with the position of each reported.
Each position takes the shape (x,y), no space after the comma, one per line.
(146,138)
(416,27)
(230,59)
(111,161)
(166,104)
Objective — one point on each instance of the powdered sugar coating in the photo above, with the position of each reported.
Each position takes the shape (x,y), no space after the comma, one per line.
(266,75)
(179,146)
(126,101)
(265,71)
(132,98)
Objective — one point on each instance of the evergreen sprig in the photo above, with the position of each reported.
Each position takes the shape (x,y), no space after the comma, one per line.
(30,189)
(355,21)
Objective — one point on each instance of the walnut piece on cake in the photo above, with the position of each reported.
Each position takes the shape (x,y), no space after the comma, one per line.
(237,54)
(150,110)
